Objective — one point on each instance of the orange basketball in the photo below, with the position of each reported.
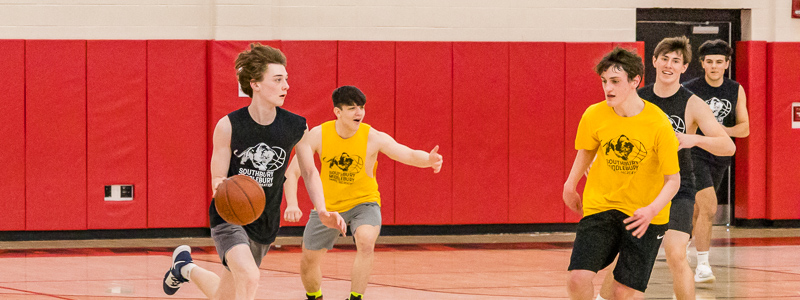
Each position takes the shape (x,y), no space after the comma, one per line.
(239,200)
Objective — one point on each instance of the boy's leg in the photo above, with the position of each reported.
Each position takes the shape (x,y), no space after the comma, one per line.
(365,236)
(597,242)
(676,240)
(365,222)
(317,240)
(242,280)
(636,259)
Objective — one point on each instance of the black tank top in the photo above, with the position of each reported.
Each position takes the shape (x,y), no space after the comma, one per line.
(675,107)
(722,99)
(262,152)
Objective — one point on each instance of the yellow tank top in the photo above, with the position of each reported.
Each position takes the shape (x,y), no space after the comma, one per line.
(345,180)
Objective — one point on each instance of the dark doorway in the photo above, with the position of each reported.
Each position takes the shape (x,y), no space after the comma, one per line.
(699,25)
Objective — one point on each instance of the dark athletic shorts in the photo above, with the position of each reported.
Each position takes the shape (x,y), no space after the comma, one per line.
(600,237)
(709,169)
(680,214)
(227,235)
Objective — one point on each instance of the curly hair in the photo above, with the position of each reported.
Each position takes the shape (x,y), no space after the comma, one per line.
(252,64)
(623,59)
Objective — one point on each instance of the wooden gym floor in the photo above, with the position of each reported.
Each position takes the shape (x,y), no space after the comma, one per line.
(748,264)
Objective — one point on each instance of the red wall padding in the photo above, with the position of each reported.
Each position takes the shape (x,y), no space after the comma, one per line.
(751,72)
(178,170)
(424,104)
(583,88)
(116,131)
(536,133)
(312,78)
(783,200)
(480,133)
(55,124)
(370,66)
(12,134)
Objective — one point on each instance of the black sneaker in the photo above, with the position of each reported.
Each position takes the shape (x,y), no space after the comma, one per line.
(173,278)
(310,297)
(354,298)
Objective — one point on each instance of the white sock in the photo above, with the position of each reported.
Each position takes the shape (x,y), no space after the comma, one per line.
(702,257)
(600,297)
(186,270)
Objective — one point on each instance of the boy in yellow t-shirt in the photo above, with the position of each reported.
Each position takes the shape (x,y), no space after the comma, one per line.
(629,186)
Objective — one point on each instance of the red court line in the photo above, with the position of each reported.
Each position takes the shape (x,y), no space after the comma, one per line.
(34,293)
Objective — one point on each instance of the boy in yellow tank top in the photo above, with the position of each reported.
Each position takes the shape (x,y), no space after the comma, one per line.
(628,189)
(348,150)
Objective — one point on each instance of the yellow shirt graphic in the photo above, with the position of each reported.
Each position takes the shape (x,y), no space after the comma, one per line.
(345,181)
(633,155)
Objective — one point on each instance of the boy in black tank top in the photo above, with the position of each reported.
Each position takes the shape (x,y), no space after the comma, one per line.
(687,113)
(728,102)
(255,141)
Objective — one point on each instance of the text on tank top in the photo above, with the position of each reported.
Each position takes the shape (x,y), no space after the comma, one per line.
(345,180)
(722,99)
(262,152)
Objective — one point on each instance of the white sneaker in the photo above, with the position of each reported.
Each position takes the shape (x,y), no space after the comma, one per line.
(704,274)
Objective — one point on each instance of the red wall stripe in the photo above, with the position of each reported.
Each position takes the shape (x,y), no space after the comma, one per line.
(783,201)
(424,106)
(178,170)
(12,158)
(116,106)
(370,66)
(751,72)
(55,121)
(480,132)
(312,78)
(536,133)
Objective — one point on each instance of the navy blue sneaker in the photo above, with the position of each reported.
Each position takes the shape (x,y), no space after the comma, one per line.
(173,278)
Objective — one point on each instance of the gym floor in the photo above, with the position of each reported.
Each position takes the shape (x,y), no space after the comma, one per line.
(748,264)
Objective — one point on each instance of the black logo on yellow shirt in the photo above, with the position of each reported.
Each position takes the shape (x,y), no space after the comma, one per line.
(343,168)
(628,153)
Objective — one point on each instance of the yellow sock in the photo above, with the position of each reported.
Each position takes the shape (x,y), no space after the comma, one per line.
(354,295)
(316,294)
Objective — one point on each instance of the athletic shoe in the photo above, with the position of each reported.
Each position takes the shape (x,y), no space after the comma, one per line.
(173,278)
(704,274)
(313,298)
(353,298)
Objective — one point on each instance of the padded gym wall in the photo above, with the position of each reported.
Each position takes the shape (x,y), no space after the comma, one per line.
(783,201)
(55,137)
(424,103)
(536,133)
(370,66)
(480,132)
(751,154)
(12,158)
(116,108)
(583,88)
(177,163)
(311,66)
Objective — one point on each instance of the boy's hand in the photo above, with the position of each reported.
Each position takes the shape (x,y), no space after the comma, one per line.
(640,221)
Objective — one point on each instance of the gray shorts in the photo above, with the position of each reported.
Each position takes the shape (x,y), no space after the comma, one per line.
(317,236)
(227,235)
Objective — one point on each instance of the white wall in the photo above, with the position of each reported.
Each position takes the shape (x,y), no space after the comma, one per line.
(420,20)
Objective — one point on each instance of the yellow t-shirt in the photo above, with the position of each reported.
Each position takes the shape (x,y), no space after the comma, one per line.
(633,155)
(345,181)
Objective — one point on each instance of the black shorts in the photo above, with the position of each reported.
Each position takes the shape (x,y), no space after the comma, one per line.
(709,169)
(600,237)
(680,214)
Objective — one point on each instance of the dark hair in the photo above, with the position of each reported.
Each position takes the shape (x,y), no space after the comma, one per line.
(348,95)
(715,47)
(679,44)
(623,59)
(252,64)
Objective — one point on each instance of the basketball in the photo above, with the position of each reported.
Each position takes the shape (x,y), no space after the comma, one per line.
(240,200)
